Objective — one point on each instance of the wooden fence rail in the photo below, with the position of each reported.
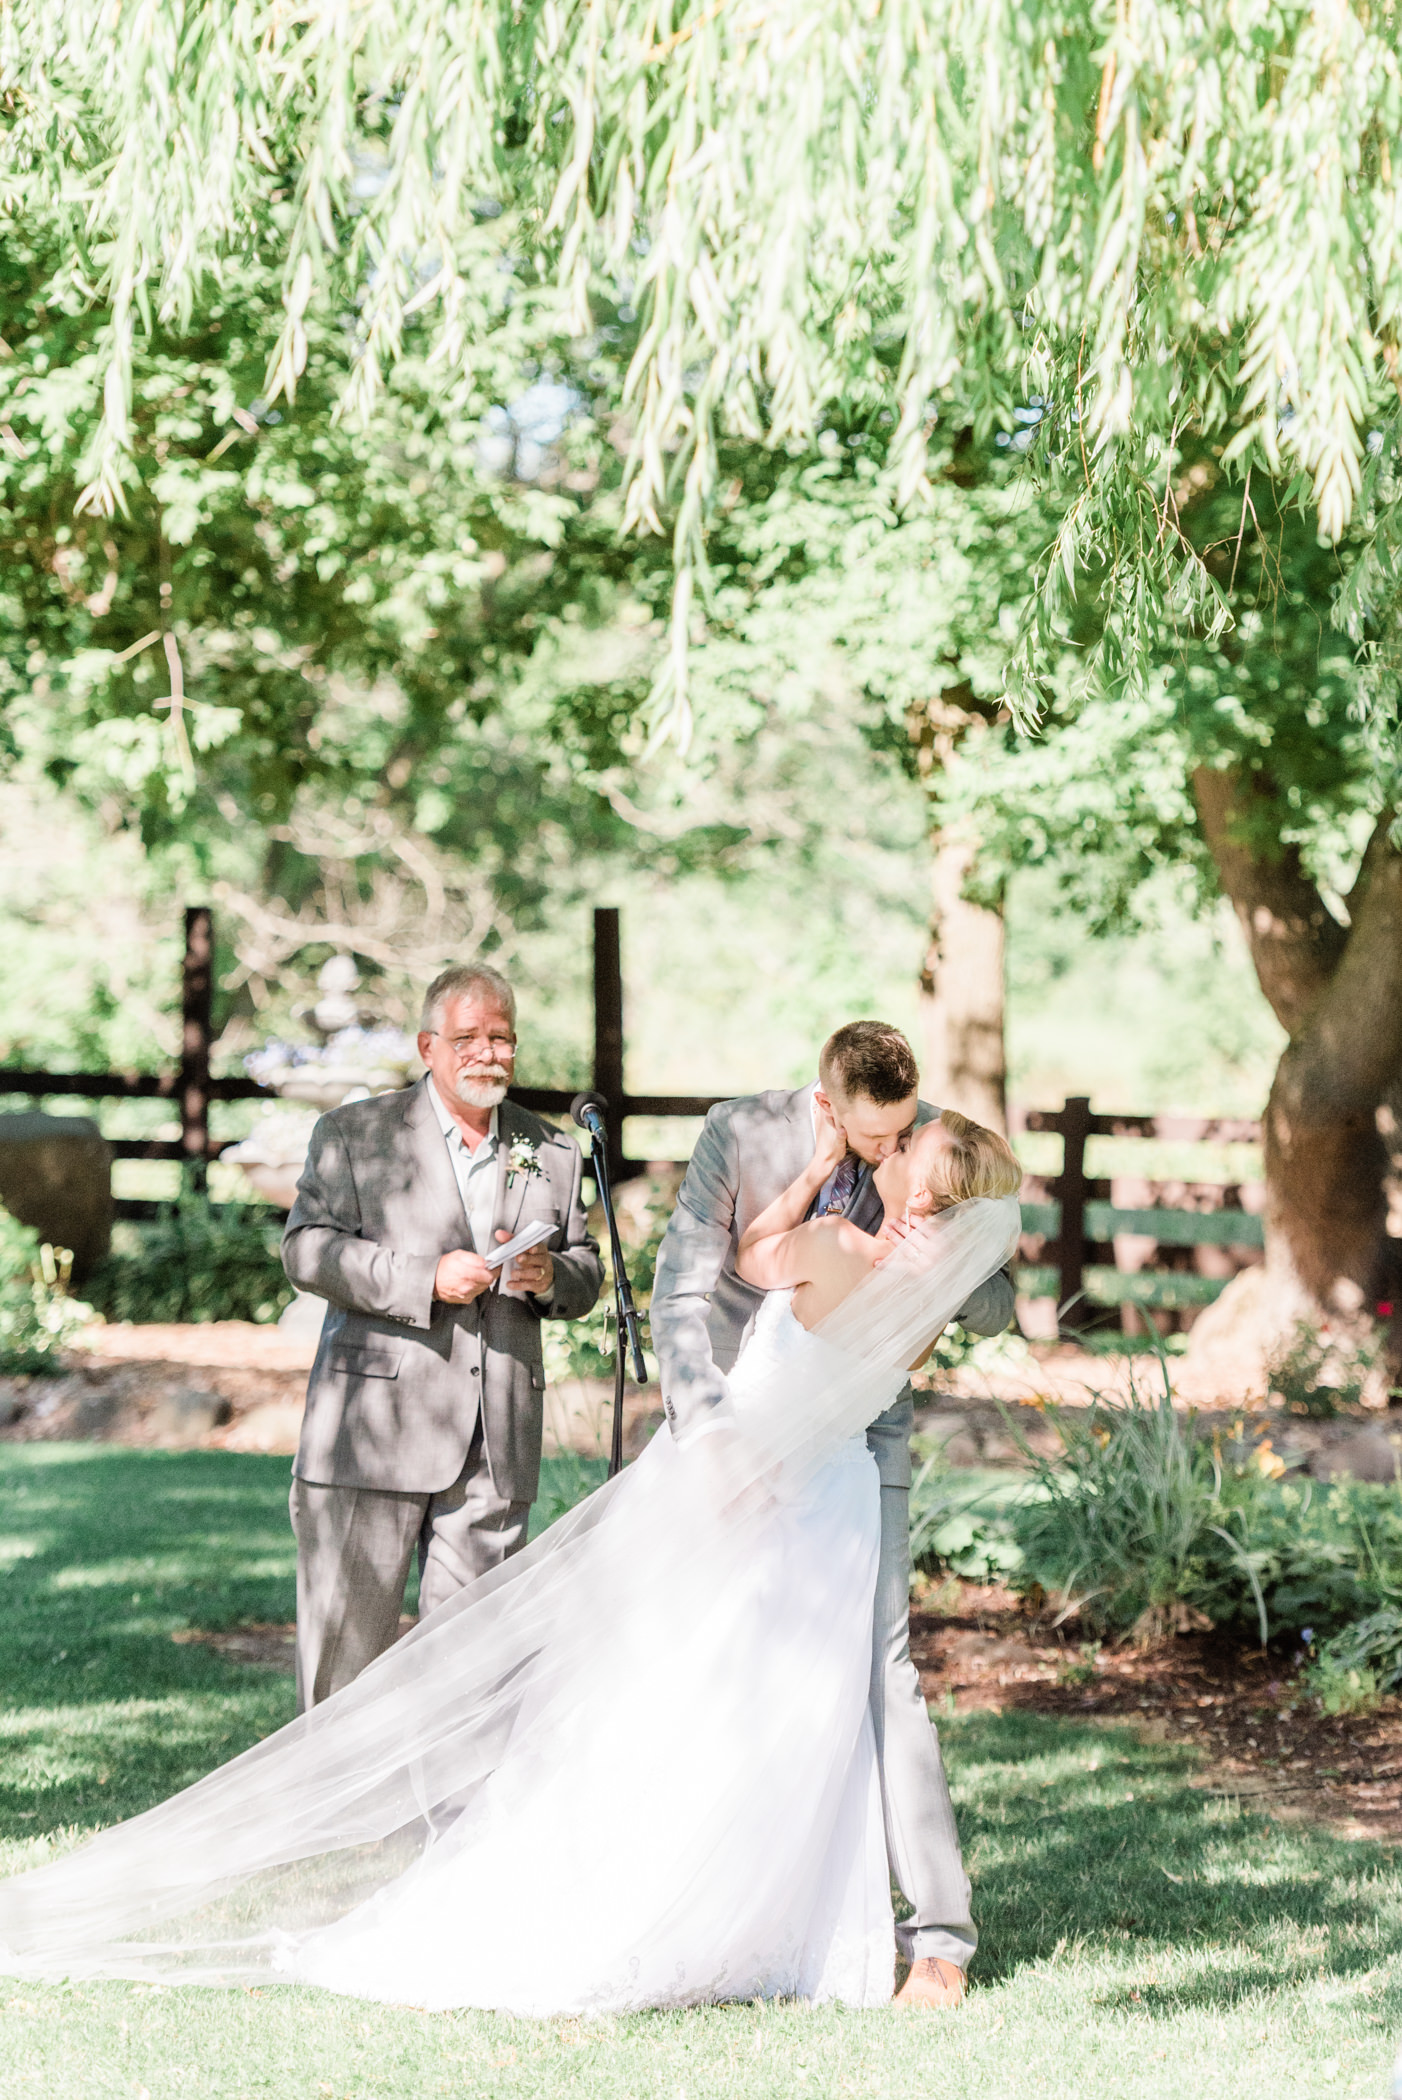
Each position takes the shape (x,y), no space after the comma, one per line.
(1070,1225)
(1075,1237)
(191,1088)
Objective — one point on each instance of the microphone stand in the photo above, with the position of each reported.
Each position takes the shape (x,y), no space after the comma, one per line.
(588,1111)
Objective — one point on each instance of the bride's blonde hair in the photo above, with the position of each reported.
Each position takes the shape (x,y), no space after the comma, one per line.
(976,1162)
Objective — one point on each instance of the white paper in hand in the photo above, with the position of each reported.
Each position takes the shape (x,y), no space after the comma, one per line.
(529,1236)
(501,1256)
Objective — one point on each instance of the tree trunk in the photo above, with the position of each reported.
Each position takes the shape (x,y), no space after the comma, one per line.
(961,992)
(961,983)
(1337,989)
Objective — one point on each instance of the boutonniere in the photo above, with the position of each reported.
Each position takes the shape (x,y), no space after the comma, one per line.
(521,1160)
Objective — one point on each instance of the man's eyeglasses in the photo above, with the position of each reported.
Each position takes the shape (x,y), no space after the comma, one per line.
(464,1046)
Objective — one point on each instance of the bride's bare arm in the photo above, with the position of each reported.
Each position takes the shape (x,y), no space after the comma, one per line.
(778,1249)
(766,1255)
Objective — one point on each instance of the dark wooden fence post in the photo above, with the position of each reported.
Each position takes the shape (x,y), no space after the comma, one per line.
(608,1029)
(1074,1124)
(196,1009)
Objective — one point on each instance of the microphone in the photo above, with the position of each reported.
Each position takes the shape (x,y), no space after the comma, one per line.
(589,1110)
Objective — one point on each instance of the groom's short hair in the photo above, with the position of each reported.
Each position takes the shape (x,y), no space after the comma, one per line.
(872,1059)
(456,982)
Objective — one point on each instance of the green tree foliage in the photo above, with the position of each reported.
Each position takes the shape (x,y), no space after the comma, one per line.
(1103,797)
(1166,224)
(412,653)
(292,661)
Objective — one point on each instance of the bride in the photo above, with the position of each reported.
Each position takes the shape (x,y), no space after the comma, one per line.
(633,1766)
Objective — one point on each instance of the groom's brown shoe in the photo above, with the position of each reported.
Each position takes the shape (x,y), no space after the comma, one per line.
(931,1982)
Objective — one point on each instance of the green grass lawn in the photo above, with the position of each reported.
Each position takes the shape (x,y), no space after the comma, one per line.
(1139,1938)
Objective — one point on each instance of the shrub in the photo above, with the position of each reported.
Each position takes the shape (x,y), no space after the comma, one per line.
(565,1480)
(1357,1665)
(1141,1524)
(38,1317)
(1321,1556)
(958,1520)
(200,1262)
(584,1348)
(19,1249)
(1118,1530)
(1317,1376)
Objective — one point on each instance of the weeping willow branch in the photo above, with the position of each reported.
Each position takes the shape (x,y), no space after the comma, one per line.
(1152,220)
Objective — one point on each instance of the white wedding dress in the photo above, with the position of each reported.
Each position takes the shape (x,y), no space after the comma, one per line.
(634,1767)
(700,1816)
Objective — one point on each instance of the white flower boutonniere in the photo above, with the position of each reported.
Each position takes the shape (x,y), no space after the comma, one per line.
(521,1160)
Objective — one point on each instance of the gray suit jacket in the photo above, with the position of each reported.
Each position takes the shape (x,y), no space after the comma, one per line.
(748,1153)
(399,1379)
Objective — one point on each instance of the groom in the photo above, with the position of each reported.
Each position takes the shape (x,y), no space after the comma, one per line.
(426,1402)
(748,1153)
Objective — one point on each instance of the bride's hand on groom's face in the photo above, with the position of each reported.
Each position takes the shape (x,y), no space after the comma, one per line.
(830,1147)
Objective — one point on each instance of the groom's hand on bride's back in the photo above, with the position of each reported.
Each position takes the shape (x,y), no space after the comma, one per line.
(462,1276)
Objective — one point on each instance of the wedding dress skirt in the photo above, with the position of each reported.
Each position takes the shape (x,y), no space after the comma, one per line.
(632,1767)
(700,1816)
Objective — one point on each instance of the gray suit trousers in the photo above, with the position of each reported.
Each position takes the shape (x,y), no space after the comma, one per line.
(922,1842)
(354,1549)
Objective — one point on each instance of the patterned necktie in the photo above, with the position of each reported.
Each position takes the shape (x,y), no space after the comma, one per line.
(843,1183)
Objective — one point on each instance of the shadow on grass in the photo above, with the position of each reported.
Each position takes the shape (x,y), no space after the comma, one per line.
(105,1555)
(1085,1839)
(1084,1844)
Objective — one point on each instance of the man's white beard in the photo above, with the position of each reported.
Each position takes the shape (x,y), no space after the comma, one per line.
(485,1089)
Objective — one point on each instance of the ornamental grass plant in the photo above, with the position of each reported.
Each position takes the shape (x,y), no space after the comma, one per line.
(1117,1531)
(1143,1525)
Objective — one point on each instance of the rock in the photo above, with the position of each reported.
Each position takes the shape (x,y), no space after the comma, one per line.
(1370,1455)
(187,1415)
(1232,1343)
(274,1426)
(985,1651)
(96,1410)
(56,1175)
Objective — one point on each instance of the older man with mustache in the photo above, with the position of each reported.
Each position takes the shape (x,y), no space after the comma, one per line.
(425,1405)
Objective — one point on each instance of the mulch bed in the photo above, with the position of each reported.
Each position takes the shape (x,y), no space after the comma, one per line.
(1262,1738)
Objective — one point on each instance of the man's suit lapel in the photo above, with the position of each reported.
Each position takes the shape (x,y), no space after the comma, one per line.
(795,1148)
(441,1197)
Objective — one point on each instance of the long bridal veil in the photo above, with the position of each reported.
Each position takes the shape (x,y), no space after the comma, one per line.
(223,1882)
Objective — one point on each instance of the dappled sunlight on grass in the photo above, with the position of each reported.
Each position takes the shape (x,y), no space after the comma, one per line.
(1093,1854)
(1139,1936)
(91,1765)
(105,1713)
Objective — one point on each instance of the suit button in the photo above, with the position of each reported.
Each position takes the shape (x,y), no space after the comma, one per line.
(475,1372)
